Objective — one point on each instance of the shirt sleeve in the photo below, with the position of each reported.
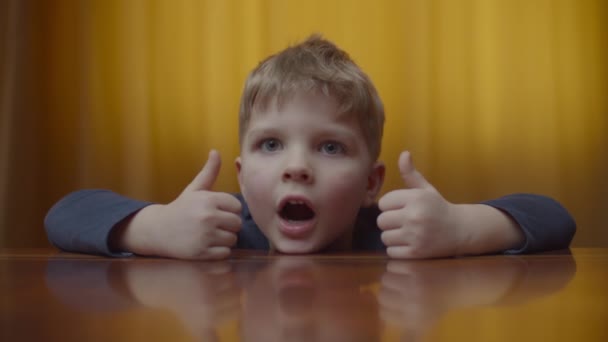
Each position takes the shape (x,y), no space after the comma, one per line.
(82,221)
(546,224)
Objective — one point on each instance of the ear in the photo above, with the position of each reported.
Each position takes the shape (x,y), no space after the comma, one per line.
(239,174)
(374,183)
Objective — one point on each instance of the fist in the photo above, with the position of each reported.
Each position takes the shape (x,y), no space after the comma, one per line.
(198,224)
(416,221)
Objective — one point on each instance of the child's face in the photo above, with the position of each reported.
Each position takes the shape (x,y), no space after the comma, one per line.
(305,172)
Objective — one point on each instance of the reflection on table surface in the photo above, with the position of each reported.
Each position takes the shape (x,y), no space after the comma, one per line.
(254,297)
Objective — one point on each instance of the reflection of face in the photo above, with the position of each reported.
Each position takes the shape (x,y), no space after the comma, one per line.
(297,299)
(305,173)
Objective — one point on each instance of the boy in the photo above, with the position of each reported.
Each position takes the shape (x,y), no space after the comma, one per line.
(310,128)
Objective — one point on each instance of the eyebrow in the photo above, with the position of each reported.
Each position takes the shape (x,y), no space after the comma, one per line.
(337,131)
(263,131)
(340,132)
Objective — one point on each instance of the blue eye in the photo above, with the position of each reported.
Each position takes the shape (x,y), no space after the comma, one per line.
(270,145)
(332,148)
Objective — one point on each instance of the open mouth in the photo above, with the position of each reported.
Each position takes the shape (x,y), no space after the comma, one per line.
(296,211)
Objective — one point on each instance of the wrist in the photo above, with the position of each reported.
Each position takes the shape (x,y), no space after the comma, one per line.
(465,238)
(135,233)
(485,229)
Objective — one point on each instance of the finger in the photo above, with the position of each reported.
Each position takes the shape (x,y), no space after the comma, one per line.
(393,200)
(399,199)
(412,178)
(227,202)
(229,222)
(401,252)
(223,238)
(395,237)
(391,219)
(215,253)
(205,179)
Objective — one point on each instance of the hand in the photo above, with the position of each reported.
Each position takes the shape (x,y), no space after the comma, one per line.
(198,224)
(417,222)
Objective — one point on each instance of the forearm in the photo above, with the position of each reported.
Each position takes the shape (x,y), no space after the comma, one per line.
(486,229)
(546,224)
(83,221)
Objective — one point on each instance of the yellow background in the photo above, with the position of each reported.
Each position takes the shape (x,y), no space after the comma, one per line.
(491,96)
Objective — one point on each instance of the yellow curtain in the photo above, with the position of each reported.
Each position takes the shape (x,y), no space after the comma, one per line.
(491,96)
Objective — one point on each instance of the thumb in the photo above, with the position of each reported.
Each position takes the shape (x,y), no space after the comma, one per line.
(412,178)
(205,179)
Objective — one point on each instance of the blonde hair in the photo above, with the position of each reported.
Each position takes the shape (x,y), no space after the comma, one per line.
(315,64)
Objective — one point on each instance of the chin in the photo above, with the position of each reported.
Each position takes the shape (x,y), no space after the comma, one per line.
(296,247)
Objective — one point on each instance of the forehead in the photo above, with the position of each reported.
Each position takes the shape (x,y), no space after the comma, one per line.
(301,101)
(306,106)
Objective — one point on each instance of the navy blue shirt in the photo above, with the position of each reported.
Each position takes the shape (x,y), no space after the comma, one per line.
(83,221)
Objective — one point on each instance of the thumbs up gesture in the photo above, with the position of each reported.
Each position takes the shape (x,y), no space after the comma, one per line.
(417,222)
(198,224)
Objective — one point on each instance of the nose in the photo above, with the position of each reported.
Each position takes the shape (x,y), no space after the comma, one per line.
(298,169)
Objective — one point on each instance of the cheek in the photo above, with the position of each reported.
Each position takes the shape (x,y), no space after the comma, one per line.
(255,183)
(347,186)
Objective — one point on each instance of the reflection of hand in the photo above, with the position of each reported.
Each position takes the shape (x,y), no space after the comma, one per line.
(198,224)
(415,294)
(202,295)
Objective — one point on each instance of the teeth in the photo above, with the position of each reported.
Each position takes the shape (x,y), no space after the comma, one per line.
(295,202)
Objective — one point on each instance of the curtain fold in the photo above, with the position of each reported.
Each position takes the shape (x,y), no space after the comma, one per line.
(491,96)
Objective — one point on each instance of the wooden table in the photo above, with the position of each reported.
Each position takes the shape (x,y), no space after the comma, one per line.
(48,296)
